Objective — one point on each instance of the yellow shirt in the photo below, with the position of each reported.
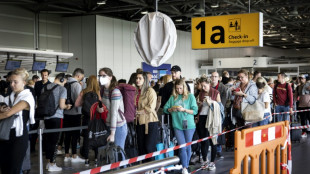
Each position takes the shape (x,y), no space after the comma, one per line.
(147,102)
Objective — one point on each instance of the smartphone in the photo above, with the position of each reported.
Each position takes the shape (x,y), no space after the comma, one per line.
(184,124)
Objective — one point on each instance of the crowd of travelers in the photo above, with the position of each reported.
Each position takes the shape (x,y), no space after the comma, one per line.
(215,105)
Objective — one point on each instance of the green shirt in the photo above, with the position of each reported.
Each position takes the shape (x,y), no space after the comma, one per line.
(178,117)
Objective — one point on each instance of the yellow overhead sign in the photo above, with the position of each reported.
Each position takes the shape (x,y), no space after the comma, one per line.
(242,30)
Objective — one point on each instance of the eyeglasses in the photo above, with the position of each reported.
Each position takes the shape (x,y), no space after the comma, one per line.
(102,76)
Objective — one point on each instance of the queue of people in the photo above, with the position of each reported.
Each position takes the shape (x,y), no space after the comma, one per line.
(216,104)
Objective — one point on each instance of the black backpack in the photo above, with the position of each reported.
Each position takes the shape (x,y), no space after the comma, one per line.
(46,103)
(110,153)
(69,97)
(88,100)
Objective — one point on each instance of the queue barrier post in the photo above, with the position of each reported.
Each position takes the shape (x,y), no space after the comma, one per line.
(40,132)
(255,143)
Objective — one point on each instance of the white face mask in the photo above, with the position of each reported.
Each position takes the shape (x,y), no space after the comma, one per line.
(104,80)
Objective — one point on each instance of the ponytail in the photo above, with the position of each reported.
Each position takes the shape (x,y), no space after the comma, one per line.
(113,83)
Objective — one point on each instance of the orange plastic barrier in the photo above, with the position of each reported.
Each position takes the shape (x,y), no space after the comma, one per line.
(258,142)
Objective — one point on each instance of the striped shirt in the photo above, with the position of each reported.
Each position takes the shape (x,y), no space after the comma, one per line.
(114,102)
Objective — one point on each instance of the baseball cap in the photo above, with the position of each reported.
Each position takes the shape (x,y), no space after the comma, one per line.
(302,76)
(175,68)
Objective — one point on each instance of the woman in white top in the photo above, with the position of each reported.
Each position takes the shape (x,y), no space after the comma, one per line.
(20,104)
(263,96)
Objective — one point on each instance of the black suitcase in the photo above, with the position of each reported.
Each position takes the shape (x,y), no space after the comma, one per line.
(295,133)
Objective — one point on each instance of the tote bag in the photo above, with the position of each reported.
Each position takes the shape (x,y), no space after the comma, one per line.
(253,112)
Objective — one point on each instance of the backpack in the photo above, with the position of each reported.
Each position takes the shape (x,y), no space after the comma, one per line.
(287,101)
(128,93)
(110,153)
(88,100)
(46,103)
(69,98)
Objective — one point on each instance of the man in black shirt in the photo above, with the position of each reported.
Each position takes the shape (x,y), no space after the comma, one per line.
(167,91)
(40,84)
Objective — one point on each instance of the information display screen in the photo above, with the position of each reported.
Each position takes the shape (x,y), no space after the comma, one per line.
(62,67)
(38,65)
(12,64)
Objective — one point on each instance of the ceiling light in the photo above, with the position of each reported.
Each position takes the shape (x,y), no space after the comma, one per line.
(179,20)
(308,48)
(283,38)
(271,35)
(297,49)
(296,42)
(215,5)
(283,27)
(144,12)
(101,2)
(266,21)
(284,47)
(268,43)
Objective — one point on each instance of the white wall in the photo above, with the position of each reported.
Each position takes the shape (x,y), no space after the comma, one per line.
(116,49)
(17,29)
(79,37)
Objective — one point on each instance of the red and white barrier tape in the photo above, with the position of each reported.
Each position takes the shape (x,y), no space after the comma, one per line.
(153,154)
(301,127)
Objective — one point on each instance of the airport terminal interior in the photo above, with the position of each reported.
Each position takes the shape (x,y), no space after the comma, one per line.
(232,51)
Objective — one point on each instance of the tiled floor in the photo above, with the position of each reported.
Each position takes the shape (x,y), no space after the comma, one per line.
(300,155)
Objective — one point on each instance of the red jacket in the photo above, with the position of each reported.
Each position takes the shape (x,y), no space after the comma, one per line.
(282,95)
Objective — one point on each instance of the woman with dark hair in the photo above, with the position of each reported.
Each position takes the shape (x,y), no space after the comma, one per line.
(132,79)
(182,106)
(206,95)
(246,92)
(20,104)
(112,98)
(92,87)
(146,116)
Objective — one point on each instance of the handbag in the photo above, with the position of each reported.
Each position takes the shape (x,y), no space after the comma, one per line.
(253,112)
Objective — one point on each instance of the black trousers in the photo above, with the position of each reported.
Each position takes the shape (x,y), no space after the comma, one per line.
(71,137)
(12,152)
(51,138)
(85,133)
(147,142)
(204,132)
(304,116)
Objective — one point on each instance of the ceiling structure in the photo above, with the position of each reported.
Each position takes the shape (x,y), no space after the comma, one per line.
(286,22)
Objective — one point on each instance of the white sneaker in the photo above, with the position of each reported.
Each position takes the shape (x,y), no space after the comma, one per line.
(54,168)
(59,152)
(211,166)
(205,163)
(184,171)
(77,160)
(47,166)
(67,159)
(304,135)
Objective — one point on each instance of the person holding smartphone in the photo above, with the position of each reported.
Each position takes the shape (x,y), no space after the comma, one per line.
(206,95)
(182,106)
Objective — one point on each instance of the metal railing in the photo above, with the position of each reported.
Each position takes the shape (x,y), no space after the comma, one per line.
(147,166)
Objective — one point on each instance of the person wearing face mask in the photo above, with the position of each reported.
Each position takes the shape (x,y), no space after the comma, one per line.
(146,116)
(92,87)
(112,98)
(20,103)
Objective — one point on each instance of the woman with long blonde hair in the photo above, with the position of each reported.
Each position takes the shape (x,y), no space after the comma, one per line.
(182,106)
(91,89)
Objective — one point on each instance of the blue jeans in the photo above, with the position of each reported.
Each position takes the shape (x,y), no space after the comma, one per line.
(263,122)
(120,135)
(218,148)
(184,136)
(282,117)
